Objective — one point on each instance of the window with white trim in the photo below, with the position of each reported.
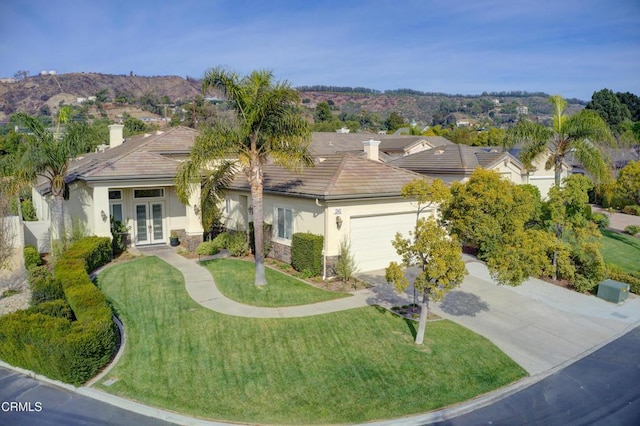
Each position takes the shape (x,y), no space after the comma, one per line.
(148,193)
(284,221)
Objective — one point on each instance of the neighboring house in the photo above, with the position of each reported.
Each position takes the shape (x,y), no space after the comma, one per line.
(456,163)
(343,196)
(390,147)
(132,181)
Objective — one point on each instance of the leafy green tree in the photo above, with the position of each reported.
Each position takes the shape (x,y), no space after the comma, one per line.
(581,133)
(426,195)
(47,156)
(496,217)
(628,182)
(134,126)
(394,121)
(440,259)
(323,112)
(632,102)
(609,107)
(267,125)
(494,136)
(575,234)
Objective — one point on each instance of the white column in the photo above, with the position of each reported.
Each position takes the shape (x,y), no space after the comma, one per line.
(194,224)
(101,223)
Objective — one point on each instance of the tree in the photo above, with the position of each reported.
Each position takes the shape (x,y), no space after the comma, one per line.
(581,133)
(628,182)
(394,121)
(47,156)
(632,102)
(267,125)
(323,112)
(577,257)
(609,107)
(440,259)
(429,247)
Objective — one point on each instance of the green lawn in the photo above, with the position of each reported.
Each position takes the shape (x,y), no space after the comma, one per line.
(622,250)
(351,366)
(234,278)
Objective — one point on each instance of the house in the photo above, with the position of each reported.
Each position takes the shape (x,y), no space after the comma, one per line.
(131,181)
(343,197)
(456,163)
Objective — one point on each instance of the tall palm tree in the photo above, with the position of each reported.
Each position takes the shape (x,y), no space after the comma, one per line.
(47,156)
(266,125)
(582,133)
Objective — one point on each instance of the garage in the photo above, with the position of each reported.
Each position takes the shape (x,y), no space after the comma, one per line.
(371,238)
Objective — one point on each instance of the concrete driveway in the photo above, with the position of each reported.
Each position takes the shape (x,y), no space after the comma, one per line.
(539,325)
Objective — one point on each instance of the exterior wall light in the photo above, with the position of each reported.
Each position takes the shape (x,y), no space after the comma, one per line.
(339,222)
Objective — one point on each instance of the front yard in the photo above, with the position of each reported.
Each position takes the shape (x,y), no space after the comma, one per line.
(621,250)
(351,366)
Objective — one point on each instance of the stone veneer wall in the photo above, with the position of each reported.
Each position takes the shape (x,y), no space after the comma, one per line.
(191,242)
(280,252)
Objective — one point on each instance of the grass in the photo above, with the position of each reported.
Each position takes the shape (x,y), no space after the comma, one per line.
(621,250)
(9,292)
(234,278)
(351,366)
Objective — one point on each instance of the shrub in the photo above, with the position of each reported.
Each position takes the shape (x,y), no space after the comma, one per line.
(634,210)
(346,266)
(632,229)
(588,212)
(616,273)
(208,248)
(31,257)
(306,252)
(44,339)
(58,308)
(601,220)
(236,243)
(43,287)
(28,211)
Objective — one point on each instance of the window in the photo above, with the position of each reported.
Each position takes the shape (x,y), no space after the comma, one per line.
(285,223)
(115,194)
(148,193)
(115,211)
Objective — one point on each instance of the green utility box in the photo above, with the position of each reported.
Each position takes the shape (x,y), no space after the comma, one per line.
(613,291)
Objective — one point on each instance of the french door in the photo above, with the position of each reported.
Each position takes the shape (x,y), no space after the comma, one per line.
(149,223)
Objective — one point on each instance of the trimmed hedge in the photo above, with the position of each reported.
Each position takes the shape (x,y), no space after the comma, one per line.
(54,308)
(208,248)
(46,340)
(633,210)
(43,287)
(632,229)
(306,253)
(31,257)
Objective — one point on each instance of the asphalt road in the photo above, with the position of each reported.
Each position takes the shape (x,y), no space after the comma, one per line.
(600,389)
(43,404)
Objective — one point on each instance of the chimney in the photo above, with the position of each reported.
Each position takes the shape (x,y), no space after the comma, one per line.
(115,135)
(371,149)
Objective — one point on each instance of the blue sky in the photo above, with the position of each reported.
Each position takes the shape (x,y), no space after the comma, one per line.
(569,47)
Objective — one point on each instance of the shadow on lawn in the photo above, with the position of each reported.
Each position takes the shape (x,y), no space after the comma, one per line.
(459,303)
(622,238)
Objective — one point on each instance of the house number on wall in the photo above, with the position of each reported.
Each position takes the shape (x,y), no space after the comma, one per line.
(337,211)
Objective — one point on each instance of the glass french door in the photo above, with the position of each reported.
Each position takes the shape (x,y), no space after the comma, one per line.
(149,223)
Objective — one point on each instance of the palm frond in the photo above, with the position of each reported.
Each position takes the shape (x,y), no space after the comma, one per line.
(533,137)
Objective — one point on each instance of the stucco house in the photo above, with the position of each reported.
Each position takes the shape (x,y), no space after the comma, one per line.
(343,197)
(132,181)
(455,163)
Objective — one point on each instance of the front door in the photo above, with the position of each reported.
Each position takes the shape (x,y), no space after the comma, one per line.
(149,218)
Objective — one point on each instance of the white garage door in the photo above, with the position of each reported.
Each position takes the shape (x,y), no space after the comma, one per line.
(371,239)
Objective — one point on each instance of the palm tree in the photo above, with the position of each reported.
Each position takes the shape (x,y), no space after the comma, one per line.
(47,156)
(581,133)
(265,126)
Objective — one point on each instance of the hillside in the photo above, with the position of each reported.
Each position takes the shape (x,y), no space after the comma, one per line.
(33,93)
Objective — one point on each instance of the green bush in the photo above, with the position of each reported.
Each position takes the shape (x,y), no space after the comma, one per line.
(46,341)
(306,253)
(31,257)
(208,248)
(616,273)
(58,308)
(236,243)
(601,220)
(43,287)
(633,209)
(588,212)
(632,229)
(28,211)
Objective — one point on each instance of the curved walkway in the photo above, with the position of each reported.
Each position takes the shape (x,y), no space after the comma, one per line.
(201,287)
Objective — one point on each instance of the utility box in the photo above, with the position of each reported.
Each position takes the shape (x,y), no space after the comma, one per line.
(613,291)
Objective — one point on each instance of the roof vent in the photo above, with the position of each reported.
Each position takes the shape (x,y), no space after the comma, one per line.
(321,159)
(439,152)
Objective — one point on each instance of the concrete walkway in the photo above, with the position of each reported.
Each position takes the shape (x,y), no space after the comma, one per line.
(201,287)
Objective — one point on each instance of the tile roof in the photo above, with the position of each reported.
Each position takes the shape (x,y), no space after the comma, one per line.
(454,158)
(335,176)
(138,157)
(323,143)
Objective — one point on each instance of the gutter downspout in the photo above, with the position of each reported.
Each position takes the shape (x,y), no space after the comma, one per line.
(324,248)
